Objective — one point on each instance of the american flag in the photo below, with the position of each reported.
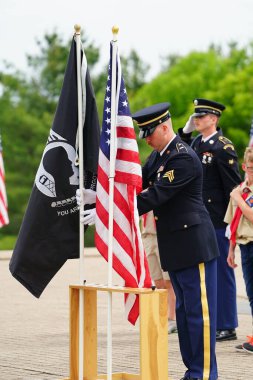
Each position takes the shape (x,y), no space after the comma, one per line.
(4,219)
(129,259)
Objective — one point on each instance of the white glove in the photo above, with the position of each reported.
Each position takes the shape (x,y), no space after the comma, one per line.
(189,126)
(89,196)
(88,216)
(228,232)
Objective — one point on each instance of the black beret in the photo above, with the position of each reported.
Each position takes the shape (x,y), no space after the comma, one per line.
(150,117)
(205,106)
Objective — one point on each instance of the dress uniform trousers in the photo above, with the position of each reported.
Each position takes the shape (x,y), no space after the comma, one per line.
(196,308)
(226,296)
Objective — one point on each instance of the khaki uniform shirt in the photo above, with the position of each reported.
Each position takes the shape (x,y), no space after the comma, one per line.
(148,223)
(244,233)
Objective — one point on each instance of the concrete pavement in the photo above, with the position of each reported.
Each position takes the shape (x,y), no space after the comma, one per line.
(34,336)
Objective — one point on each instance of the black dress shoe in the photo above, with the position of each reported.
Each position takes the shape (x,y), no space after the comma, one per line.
(226,335)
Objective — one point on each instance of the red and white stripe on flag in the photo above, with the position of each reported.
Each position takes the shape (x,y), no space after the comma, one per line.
(4,219)
(129,259)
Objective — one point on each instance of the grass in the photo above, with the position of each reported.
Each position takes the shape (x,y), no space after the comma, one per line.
(7,242)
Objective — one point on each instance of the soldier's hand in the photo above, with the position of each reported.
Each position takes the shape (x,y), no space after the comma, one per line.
(189,126)
(88,216)
(89,197)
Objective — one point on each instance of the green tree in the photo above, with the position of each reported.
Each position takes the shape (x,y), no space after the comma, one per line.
(211,74)
(49,65)
(28,103)
(134,71)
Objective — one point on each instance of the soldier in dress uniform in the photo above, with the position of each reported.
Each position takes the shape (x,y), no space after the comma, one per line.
(220,175)
(172,179)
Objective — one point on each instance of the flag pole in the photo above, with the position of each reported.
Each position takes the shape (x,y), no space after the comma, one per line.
(81,182)
(113,150)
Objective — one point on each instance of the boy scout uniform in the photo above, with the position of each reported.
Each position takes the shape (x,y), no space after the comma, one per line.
(244,237)
(149,238)
(220,175)
(186,240)
(244,232)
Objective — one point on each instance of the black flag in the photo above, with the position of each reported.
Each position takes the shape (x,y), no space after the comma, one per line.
(49,233)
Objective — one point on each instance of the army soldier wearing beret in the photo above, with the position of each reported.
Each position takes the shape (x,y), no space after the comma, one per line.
(220,175)
(172,179)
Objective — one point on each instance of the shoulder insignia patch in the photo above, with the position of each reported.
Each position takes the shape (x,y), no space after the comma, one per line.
(249,201)
(181,147)
(231,146)
(169,175)
(224,140)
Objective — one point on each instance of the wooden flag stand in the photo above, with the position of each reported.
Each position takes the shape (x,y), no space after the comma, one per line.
(153,333)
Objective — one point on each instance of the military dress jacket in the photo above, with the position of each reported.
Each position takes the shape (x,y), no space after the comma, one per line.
(220,172)
(173,190)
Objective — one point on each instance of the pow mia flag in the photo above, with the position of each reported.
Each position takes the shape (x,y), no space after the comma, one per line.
(49,233)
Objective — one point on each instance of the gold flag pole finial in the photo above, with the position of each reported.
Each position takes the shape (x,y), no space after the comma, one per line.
(77,29)
(115,31)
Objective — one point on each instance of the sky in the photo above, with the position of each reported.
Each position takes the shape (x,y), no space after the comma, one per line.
(154,29)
